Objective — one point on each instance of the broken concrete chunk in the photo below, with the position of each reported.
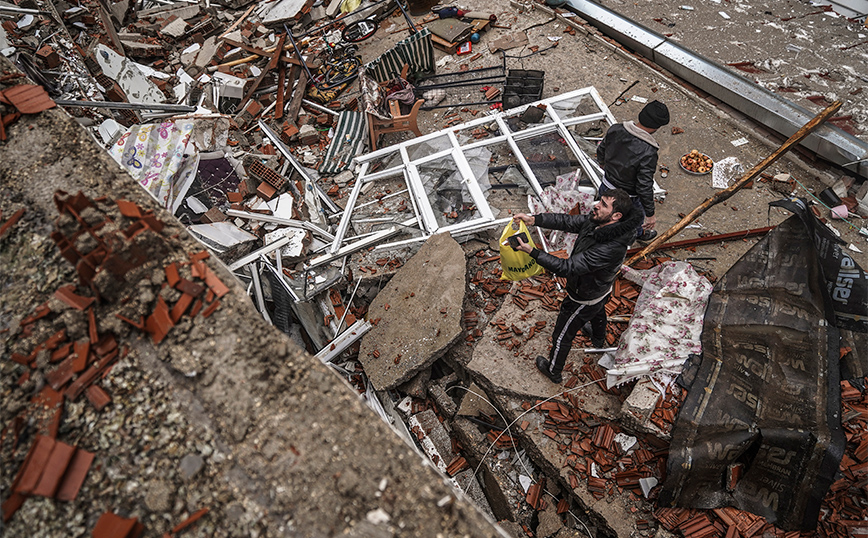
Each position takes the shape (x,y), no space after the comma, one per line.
(549,520)
(190,465)
(444,402)
(470,486)
(206,53)
(131,77)
(437,433)
(419,314)
(417,386)
(638,407)
(284,10)
(475,402)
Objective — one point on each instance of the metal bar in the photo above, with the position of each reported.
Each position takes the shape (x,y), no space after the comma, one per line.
(253,256)
(127,106)
(764,106)
(23,10)
(319,107)
(277,273)
(344,225)
(292,223)
(347,307)
(343,341)
(709,239)
(257,290)
(358,245)
(281,147)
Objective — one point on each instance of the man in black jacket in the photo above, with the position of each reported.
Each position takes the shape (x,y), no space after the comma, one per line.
(628,155)
(601,246)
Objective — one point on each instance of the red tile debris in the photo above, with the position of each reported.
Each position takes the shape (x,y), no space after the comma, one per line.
(129,209)
(97,397)
(11,221)
(55,468)
(93,332)
(200,256)
(34,464)
(211,308)
(112,525)
(172,276)
(217,286)
(75,475)
(180,307)
(194,517)
(159,323)
(27,98)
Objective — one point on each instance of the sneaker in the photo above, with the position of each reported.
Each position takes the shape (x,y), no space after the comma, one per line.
(542,365)
(647,236)
(596,343)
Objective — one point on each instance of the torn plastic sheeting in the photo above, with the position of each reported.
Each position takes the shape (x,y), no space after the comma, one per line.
(847,284)
(666,324)
(767,393)
(563,197)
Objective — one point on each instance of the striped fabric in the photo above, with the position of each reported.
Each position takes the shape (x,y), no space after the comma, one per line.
(417,50)
(350,137)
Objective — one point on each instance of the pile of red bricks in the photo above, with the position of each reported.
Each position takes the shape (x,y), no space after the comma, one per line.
(107,242)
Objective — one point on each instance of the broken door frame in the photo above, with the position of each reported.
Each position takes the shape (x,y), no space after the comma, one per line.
(408,168)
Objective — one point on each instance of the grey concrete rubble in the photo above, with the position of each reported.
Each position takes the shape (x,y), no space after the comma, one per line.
(366,371)
(429,286)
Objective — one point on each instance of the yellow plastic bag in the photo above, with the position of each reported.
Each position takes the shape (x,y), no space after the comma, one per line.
(516,265)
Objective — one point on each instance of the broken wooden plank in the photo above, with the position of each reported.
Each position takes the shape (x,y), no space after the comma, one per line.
(708,239)
(271,65)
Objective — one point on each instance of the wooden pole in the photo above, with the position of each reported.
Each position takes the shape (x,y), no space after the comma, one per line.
(725,194)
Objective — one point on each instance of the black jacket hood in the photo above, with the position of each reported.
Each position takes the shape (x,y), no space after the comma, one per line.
(624,231)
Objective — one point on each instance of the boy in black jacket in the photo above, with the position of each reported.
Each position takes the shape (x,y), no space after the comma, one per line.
(601,246)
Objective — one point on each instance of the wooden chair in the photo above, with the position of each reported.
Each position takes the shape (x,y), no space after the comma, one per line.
(398,122)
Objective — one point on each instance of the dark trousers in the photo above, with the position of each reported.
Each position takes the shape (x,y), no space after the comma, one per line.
(571,318)
(636,203)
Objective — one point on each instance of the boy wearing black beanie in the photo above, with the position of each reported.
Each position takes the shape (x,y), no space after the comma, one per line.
(628,156)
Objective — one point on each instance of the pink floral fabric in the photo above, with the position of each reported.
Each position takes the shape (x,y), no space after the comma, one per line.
(666,324)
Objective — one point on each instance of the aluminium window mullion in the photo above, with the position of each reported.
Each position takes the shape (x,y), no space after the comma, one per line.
(531,177)
(470,179)
(348,211)
(417,192)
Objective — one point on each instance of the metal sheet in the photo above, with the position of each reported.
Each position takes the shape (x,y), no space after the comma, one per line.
(771,110)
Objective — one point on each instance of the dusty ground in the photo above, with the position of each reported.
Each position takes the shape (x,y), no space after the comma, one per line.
(797,49)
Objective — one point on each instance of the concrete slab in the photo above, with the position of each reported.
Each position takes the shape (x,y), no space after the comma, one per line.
(513,372)
(417,315)
(470,486)
(475,402)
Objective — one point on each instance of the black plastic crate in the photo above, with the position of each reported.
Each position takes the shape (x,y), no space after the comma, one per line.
(522,86)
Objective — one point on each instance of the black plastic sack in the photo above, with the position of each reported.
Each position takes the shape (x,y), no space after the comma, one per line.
(760,429)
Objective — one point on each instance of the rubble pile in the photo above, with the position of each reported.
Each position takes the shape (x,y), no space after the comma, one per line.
(227,116)
(73,352)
